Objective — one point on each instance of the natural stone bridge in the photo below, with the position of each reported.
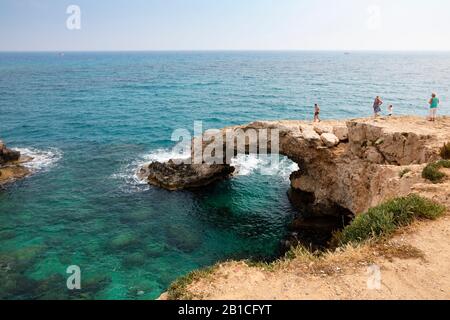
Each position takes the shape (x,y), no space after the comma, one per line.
(352,164)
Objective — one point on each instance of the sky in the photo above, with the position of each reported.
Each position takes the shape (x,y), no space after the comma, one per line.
(122,25)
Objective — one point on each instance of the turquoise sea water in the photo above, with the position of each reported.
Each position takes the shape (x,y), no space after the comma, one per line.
(91,119)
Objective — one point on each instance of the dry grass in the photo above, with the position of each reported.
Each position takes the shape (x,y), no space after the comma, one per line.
(346,259)
(178,290)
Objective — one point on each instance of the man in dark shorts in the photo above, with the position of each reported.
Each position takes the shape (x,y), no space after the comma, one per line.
(377,106)
(316,113)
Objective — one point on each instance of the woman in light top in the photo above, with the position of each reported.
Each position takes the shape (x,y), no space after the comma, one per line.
(434,104)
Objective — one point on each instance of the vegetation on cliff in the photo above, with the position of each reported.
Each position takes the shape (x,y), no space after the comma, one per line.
(178,289)
(445,151)
(432,171)
(385,219)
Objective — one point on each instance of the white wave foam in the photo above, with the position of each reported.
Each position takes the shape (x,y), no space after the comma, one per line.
(253,164)
(245,165)
(41,160)
(164,155)
(129,173)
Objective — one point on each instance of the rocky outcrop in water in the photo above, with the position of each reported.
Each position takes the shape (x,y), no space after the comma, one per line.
(7,155)
(172,176)
(11,168)
(354,164)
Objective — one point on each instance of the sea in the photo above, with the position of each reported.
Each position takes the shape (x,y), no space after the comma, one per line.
(89,120)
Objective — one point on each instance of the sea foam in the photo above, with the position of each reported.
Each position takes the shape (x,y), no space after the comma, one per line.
(41,160)
(264,165)
(129,174)
(245,165)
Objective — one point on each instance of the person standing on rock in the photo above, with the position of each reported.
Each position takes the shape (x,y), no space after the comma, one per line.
(434,104)
(316,113)
(377,106)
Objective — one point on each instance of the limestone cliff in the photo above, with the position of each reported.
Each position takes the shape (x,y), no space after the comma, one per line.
(354,164)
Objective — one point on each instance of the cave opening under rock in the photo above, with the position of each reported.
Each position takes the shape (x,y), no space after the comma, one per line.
(314,225)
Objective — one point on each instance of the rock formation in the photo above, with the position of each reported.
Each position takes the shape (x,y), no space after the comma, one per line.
(352,164)
(7,155)
(172,176)
(11,167)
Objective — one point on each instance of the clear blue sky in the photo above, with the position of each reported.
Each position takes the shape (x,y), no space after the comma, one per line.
(226,24)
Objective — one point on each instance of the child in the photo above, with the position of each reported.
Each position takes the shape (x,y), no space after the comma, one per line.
(390,110)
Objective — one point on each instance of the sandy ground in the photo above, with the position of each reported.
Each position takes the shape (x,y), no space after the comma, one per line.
(407,277)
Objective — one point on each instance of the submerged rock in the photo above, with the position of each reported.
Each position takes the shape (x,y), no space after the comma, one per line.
(135,217)
(183,239)
(134,260)
(155,250)
(14,284)
(7,234)
(123,241)
(142,289)
(24,257)
(91,286)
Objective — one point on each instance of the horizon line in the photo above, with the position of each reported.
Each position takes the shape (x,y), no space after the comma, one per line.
(227,50)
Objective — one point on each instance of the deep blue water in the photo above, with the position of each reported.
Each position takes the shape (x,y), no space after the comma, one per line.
(90,120)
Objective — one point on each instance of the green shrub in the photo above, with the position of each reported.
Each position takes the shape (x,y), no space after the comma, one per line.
(445,151)
(384,219)
(431,172)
